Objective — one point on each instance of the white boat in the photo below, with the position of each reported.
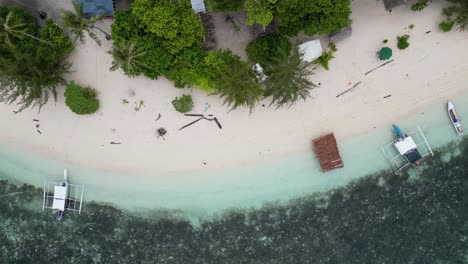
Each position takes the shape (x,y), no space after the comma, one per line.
(60,196)
(66,196)
(454,119)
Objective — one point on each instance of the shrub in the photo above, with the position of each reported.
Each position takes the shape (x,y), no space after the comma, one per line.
(446,26)
(266,48)
(385,41)
(183,104)
(324,59)
(419,6)
(332,46)
(403,41)
(81,100)
(52,33)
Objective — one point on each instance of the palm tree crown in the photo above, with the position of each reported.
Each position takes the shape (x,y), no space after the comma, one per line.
(77,23)
(128,57)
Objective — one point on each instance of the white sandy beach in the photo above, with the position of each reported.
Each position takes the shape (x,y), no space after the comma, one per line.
(433,69)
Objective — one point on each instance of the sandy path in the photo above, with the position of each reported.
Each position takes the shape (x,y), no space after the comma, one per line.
(433,69)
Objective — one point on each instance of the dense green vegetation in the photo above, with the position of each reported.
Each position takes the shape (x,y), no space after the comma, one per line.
(32,61)
(81,100)
(183,104)
(128,57)
(287,82)
(225,5)
(312,17)
(267,48)
(382,218)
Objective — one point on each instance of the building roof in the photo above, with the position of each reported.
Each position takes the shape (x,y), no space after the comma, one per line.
(97,7)
(311,50)
(327,152)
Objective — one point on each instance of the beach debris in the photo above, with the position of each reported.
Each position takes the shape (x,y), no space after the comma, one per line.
(191,123)
(159,116)
(217,122)
(131,93)
(379,67)
(161,132)
(202,117)
(38,131)
(124,101)
(138,105)
(348,90)
(427,32)
(387,96)
(37,125)
(115,143)
(36,120)
(207,106)
(113,130)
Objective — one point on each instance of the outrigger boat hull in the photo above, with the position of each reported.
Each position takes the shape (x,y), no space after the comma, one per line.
(454,118)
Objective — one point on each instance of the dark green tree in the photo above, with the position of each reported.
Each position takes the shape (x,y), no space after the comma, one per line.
(235,81)
(32,71)
(266,48)
(259,11)
(288,81)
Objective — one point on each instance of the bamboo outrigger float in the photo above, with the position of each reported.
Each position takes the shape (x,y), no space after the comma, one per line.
(66,196)
(406,150)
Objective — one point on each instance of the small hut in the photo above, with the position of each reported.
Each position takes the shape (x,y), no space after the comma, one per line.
(327,152)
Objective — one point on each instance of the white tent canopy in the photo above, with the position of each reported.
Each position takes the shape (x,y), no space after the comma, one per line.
(60,195)
(405,145)
(311,50)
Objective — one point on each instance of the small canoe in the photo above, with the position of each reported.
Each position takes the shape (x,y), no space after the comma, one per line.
(454,118)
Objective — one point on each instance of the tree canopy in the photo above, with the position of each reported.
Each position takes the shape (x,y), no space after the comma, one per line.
(288,81)
(313,17)
(31,70)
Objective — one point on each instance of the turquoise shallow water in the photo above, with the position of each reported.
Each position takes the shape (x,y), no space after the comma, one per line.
(201,194)
(273,212)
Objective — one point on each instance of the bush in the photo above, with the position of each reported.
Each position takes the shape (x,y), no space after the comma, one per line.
(267,48)
(403,41)
(419,6)
(385,41)
(324,59)
(226,5)
(52,33)
(81,100)
(183,104)
(446,26)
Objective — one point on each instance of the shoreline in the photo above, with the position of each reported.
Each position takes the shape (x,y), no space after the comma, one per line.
(266,135)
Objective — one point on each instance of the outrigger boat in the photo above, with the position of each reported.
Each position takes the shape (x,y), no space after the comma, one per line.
(60,196)
(454,119)
(66,196)
(407,152)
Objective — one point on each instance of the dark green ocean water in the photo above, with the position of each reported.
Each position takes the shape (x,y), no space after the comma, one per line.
(380,218)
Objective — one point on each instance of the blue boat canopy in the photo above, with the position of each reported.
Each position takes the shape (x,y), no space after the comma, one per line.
(97,7)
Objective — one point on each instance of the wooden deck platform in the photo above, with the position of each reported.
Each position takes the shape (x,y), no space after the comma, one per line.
(327,152)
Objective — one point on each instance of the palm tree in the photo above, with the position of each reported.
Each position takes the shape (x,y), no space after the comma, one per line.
(288,81)
(128,57)
(12,28)
(77,23)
